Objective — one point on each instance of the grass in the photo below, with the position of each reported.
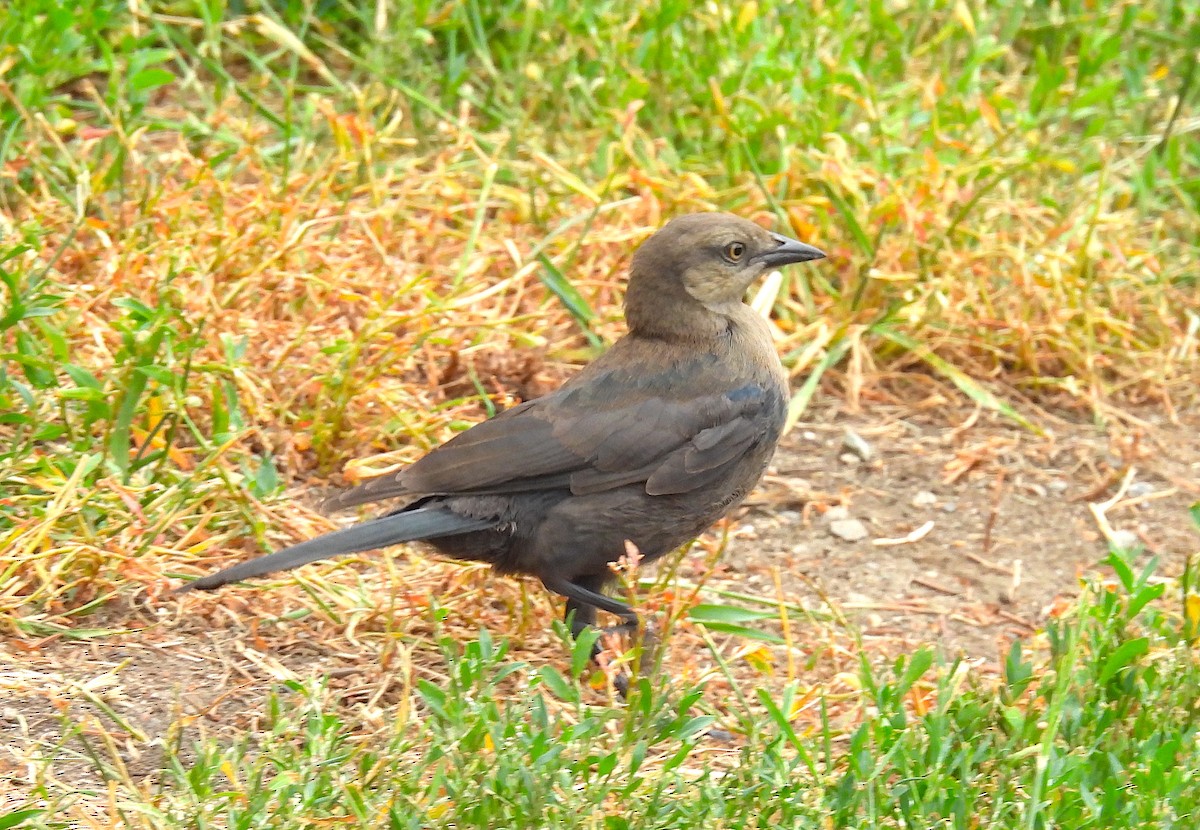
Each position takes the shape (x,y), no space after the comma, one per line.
(243,245)
(1095,727)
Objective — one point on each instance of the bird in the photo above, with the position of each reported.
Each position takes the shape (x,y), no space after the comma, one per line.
(650,443)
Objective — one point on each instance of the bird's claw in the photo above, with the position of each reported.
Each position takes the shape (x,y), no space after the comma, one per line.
(609,641)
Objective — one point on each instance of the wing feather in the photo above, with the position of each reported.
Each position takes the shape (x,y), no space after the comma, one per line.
(592,438)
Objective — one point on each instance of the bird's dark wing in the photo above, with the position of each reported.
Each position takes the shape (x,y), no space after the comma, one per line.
(473,461)
(611,431)
(673,445)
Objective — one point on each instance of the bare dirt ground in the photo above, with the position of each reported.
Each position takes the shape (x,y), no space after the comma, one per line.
(973,531)
(1005,519)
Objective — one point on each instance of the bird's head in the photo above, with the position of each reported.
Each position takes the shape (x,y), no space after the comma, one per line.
(705,261)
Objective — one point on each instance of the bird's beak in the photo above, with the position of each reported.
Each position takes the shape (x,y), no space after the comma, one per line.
(789,251)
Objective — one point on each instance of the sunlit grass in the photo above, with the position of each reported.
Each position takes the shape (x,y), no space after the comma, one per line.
(1093,724)
(246,250)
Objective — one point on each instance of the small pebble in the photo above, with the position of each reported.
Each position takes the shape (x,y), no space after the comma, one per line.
(850,459)
(856,444)
(1057,485)
(1124,540)
(850,530)
(950,507)
(924,498)
(1139,489)
(808,435)
(838,511)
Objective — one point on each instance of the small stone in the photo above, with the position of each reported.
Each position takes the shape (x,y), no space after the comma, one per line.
(1139,489)
(849,530)
(1058,485)
(856,444)
(850,459)
(808,435)
(838,511)
(924,498)
(950,507)
(1124,540)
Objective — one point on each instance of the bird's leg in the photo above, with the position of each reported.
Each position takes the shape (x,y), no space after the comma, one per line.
(583,600)
(579,617)
(584,592)
(583,596)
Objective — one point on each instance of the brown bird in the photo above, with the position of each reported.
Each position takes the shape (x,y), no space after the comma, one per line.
(652,442)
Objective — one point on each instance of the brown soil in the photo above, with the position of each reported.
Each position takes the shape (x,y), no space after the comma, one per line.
(1013,527)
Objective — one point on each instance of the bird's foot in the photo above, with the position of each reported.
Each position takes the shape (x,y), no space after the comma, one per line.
(610,642)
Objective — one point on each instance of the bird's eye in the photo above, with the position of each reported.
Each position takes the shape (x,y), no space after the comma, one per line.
(734,251)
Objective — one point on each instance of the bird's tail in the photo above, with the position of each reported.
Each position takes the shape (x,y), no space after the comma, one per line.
(403,526)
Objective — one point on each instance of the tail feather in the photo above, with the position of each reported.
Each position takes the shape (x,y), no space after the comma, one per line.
(405,526)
